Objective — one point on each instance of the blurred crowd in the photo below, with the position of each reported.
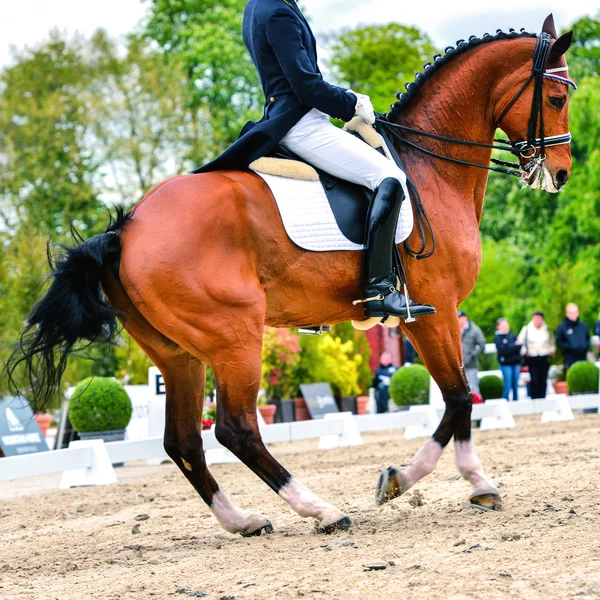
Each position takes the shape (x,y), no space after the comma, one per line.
(530,350)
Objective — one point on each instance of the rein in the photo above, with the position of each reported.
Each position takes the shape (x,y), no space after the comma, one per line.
(525,149)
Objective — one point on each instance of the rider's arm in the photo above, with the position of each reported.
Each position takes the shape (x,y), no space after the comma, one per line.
(284,34)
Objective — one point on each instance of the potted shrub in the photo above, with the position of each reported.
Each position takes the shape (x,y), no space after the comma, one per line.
(560,384)
(266,410)
(583,378)
(491,387)
(410,385)
(44,421)
(280,358)
(100,409)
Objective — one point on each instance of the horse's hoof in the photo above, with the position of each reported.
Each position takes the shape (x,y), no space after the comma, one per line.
(342,524)
(268,528)
(390,485)
(487,501)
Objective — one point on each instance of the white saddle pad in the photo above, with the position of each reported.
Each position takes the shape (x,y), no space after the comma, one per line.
(308,218)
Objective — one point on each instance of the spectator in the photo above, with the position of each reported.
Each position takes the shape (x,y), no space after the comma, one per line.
(473,344)
(537,346)
(597,332)
(381,382)
(573,336)
(509,357)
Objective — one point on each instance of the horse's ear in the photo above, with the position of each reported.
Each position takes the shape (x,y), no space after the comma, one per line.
(549,27)
(560,46)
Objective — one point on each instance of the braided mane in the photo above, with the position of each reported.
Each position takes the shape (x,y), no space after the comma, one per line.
(439,60)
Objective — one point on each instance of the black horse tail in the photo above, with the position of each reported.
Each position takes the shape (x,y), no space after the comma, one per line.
(74,308)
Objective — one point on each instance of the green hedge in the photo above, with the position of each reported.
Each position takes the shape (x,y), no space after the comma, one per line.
(583,377)
(410,385)
(99,404)
(491,387)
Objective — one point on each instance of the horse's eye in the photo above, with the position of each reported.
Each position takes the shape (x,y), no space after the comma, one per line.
(559,102)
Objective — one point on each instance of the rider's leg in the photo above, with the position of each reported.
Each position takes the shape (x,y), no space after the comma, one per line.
(315,139)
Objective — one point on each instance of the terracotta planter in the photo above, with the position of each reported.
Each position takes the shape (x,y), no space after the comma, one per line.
(302,413)
(43,420)
(268,412)
(561,387)
(361,405)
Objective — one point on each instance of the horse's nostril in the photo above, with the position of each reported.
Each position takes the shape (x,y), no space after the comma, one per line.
(562,177)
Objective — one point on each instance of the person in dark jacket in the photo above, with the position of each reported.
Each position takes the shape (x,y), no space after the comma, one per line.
(381,382)
(509,357)
(597,333)
(573,336)
(298,105)
(473,345)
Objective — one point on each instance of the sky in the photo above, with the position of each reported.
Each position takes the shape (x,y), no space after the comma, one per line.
(26,22)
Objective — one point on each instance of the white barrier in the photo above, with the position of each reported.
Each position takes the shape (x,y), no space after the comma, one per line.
(430,422)
(494,414)
(90,462)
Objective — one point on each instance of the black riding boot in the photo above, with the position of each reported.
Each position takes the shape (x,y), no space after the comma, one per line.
(380,296)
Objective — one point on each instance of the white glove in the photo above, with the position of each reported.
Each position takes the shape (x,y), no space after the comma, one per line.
(364,107)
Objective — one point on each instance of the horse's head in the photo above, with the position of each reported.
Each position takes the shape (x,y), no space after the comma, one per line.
(535,112)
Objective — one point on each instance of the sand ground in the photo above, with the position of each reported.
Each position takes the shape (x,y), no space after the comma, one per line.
(78,544)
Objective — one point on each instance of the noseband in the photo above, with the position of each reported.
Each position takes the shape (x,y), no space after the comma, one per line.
(525,149)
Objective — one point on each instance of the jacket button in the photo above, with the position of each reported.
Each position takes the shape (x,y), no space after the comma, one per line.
(272,99)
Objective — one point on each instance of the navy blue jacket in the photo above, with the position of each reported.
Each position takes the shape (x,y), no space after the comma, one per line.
(573,338)
(509,352)
(284,52)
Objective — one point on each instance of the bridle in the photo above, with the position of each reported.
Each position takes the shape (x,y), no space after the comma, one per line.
(526,149)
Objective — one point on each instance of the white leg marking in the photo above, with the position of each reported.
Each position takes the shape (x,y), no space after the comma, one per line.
(423,463)
(308,504)
(470,468)
(234,519)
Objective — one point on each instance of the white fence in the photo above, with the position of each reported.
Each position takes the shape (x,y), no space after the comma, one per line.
(90,462)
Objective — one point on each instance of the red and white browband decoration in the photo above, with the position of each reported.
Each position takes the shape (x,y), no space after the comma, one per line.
(550,74)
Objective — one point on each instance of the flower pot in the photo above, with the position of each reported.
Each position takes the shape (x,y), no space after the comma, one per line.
(561,387)
(361,405)
(268,412)
(302,413)
(43,421)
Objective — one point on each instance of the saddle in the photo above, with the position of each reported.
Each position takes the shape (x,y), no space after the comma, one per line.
(349,202)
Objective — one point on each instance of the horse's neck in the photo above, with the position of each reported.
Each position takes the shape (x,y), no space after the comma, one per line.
(461,101)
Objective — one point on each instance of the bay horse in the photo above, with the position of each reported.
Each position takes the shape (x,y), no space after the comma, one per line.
(202,263)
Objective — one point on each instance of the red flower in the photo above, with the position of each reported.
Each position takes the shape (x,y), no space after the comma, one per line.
(477,399)
(207,423)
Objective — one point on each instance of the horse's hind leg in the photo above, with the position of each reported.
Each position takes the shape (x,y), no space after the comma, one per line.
(184,377)
(238,372)
(439,347)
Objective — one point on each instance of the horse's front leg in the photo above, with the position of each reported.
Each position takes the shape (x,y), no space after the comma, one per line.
(437,340)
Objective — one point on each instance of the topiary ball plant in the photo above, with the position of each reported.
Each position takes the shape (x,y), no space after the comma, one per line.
(582,378)
(99,404)
(491,387)
(410,385)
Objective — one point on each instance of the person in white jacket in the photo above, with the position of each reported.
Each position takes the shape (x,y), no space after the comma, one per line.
(537,345)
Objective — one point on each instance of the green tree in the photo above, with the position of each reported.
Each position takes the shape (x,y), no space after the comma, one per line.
(139,116)
(378,59)
(47,174)
(584,53)
(207,37)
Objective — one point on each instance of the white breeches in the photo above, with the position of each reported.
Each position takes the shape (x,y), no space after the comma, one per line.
(320,143)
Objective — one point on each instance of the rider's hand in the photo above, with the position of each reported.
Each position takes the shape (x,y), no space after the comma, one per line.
(364,107)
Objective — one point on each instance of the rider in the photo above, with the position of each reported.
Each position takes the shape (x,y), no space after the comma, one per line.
(283,49)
